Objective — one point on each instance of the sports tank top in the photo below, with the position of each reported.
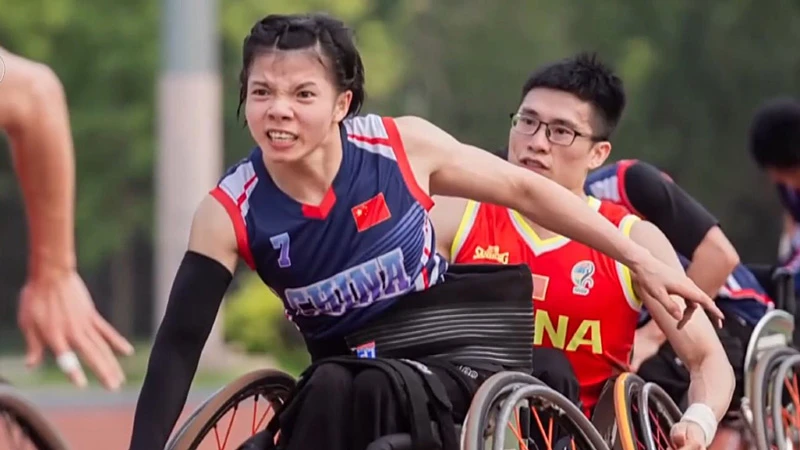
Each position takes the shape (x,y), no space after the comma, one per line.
(339,264)
(584,301)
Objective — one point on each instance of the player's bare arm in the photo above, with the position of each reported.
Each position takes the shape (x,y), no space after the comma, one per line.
(446,216)
(713,261)
(444,166)
(712,379)
(197,291)
(56,309)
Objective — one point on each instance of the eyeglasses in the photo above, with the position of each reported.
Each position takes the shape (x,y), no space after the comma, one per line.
(555,133)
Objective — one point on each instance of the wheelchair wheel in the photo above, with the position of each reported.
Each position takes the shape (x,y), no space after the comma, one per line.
(786,411)
(657,413)
(23,426)
(501,395)
(615,412)
(763,378)
(270,385)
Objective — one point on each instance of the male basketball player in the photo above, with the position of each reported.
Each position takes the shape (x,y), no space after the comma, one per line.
(55,307)
(586,303)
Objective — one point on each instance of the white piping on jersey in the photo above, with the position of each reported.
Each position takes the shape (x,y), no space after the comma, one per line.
(369,128)
(239,185)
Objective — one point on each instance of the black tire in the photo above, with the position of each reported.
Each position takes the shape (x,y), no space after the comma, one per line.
(270,384)
(763,376)
(38,429)
(654,397)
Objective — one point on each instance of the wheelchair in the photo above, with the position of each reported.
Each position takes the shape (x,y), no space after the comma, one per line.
(23,426)
(770,369)
(509,410)
(632,414)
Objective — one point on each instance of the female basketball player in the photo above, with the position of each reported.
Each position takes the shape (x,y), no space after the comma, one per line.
(330,209)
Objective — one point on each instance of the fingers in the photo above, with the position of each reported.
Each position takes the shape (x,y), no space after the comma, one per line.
(34,346)
(687,314)
(116,340)
(99,357)
(64,355)
(670,305)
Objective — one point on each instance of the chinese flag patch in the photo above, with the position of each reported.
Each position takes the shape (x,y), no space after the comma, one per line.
(371,212)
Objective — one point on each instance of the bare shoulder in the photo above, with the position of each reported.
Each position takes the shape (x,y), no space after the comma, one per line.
(212,233)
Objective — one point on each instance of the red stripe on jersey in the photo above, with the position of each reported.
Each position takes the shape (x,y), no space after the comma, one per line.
(239,228)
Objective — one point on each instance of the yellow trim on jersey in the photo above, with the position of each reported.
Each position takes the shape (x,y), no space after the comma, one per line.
(626,281)
(464,227)
(538,244)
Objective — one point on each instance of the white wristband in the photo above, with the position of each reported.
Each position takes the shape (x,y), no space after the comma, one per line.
(704,416)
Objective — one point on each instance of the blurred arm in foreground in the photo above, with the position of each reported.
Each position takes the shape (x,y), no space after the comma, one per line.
(56,309)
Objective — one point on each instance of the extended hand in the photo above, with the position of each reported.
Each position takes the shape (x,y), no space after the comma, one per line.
(57,311)
(658,280)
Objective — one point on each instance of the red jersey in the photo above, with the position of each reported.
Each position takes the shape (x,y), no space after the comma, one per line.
(584,301)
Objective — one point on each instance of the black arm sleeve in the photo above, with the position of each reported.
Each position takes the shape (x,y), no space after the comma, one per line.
(682,219)
(195,298)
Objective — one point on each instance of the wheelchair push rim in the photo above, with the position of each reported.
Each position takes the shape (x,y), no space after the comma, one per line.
(498,400)
(271,385)
(655,407)
(760,403)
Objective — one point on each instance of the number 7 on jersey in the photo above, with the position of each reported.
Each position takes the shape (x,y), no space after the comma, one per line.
(281,242)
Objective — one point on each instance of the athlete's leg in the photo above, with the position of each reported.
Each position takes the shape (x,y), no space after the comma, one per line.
(553,368)
(319,415)
(376,410)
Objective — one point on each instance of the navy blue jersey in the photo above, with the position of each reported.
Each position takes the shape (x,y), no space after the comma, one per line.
(653,196)
(341,263)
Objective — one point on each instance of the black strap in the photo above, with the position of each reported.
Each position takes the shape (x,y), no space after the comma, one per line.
(440,405)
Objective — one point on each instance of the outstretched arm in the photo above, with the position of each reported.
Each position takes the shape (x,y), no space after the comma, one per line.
(200,284)
(448,167)
(697,344)
(55,307)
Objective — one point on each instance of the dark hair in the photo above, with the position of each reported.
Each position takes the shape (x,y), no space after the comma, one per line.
(587,78)
(775,134)
(301,31)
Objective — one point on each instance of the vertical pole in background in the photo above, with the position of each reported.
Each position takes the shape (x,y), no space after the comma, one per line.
(190,140)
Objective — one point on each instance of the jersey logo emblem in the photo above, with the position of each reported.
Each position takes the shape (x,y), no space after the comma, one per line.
(491,252)
(370,213)
(582,277)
